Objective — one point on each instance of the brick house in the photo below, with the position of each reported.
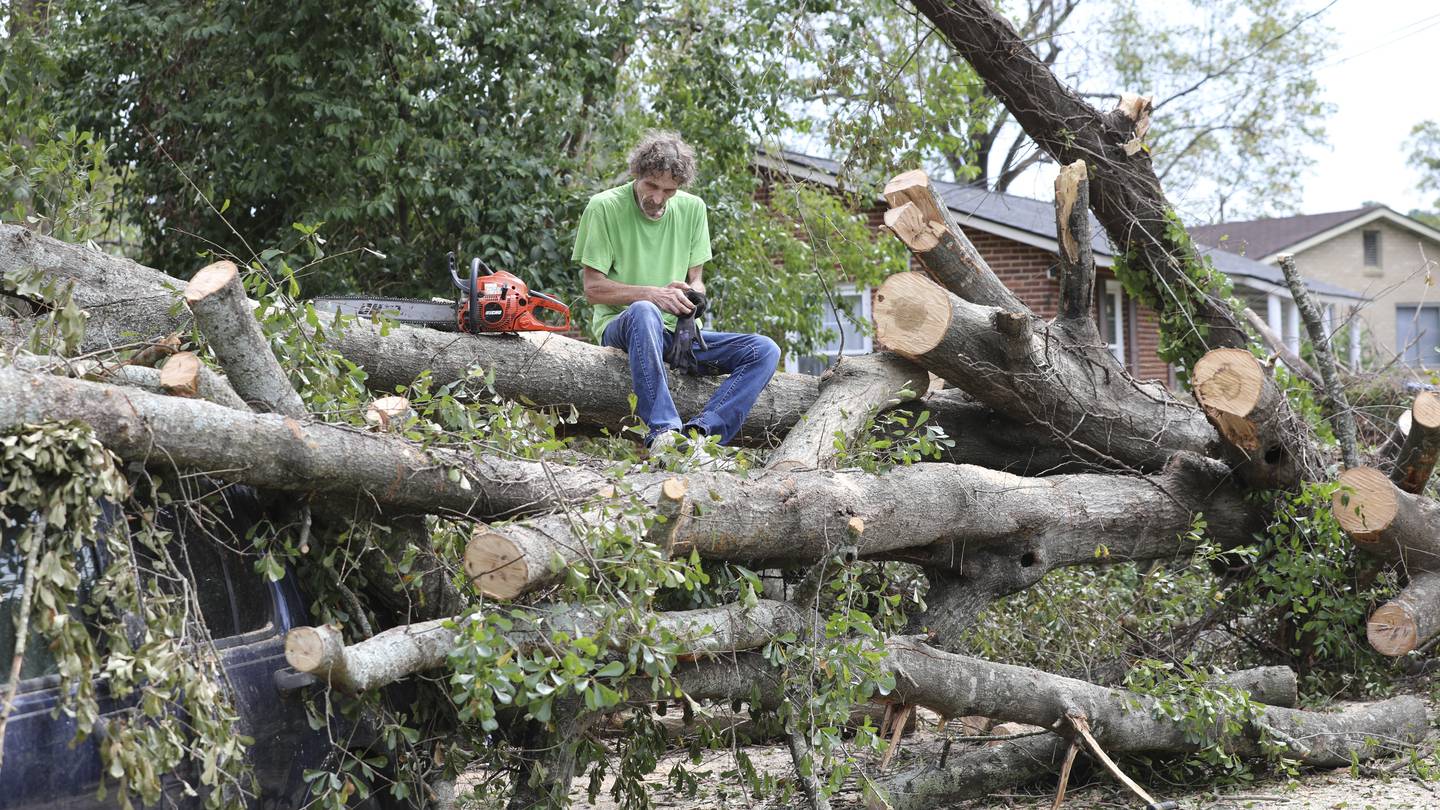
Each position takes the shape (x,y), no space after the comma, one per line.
(1389,257)
(1016,236)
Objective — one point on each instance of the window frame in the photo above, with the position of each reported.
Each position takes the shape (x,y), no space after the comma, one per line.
(841,291)
(1110,298)
(1370,243)
(1401,343)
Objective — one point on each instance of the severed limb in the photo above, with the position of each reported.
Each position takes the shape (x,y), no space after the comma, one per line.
(1038,376)
(217,299)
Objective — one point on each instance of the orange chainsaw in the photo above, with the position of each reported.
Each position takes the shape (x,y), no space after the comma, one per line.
(495,302)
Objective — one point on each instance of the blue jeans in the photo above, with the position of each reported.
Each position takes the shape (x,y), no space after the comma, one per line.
(750,361)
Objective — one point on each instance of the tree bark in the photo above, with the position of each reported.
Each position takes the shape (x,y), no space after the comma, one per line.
(850,394)
(1032,373)
(1421,449)
(1266,441)
(227,318)
(966,577)
(988,439)
(1125,193)
(125,300)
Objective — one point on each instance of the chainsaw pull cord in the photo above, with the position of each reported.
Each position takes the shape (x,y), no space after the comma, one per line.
(681,356)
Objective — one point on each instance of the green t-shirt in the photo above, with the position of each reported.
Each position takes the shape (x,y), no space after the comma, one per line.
(616,238)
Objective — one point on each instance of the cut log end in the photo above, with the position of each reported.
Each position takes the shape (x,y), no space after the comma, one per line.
(180,375)
(1365,503)
(902,186)
(1228,384)
(496,565)
(1392,630)
(315,650)
(1426,410)
(912,314)
(909,224)
(673,489)
(388,413)
(209,280)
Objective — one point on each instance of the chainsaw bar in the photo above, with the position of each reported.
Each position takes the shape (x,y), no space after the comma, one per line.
(413,311)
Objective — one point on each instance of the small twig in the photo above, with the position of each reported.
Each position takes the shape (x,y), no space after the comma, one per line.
(902,716)
(22,638)
(1065,773)
(1340,415)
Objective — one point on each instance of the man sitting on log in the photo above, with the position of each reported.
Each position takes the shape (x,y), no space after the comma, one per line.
(642,246)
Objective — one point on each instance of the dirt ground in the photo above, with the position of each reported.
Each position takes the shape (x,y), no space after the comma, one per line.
(1383,786)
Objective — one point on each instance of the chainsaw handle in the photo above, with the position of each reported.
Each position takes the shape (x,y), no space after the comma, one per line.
(539,300)
(475,291)
(454,276)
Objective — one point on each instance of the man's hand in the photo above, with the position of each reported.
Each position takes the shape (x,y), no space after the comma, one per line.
(672,298)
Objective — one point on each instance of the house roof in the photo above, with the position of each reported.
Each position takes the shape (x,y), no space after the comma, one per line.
(1262,237)
(1265,239)
(1032,222)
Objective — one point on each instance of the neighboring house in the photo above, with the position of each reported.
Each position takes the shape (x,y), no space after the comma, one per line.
(1016,236)
(1387,256)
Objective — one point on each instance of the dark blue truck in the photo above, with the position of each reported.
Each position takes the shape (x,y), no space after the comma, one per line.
(247,618)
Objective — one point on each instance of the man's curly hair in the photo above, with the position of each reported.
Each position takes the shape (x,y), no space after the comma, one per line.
(663,152)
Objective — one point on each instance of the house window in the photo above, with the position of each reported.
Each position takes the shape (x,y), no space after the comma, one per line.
(1112,319)
(1417,334)
(1372,248)
(855,304)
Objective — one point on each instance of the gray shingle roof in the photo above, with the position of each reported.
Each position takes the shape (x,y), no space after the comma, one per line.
(975,207)
(1262,237)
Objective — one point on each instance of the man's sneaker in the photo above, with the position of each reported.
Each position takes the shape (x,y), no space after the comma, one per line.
(706,455)
(674,451)
(664,442)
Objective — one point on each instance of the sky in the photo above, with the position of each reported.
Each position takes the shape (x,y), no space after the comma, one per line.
(1383,78)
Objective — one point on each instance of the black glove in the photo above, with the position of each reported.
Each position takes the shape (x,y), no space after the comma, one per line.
(681,356)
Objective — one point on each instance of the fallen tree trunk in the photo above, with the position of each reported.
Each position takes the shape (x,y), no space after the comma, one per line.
(1012,763)
(987,439)
(1404,530)
(1002,529)
(850,393)
(207,384)
(1124,722)
(1020,368)
(124,299)
(1058,520)
(403,651)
